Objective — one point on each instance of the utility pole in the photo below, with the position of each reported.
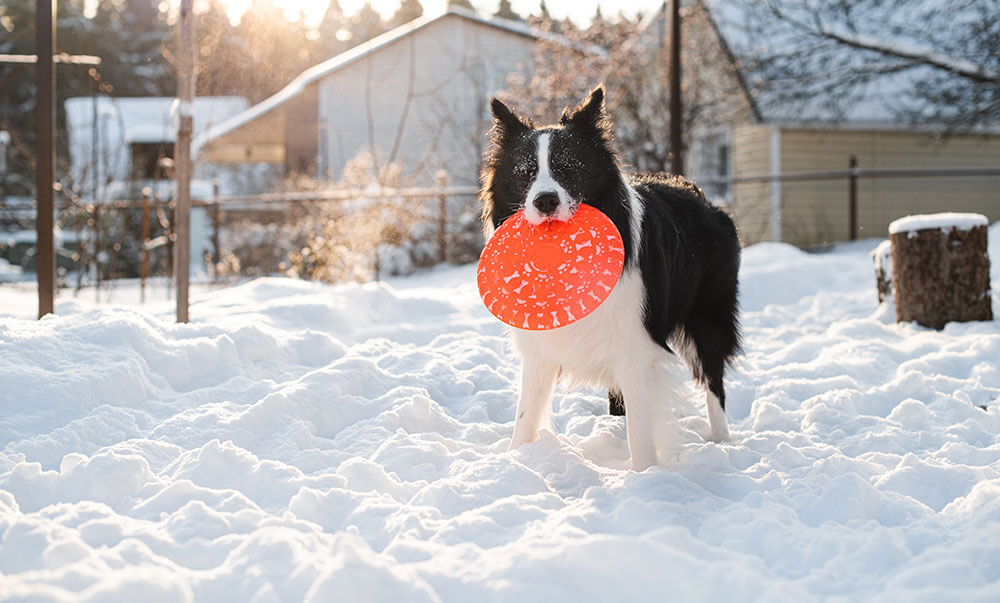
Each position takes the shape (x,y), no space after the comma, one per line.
(182,153)
(45,119)
(676,139)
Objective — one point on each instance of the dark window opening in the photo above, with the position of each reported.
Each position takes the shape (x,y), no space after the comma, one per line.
(146,158)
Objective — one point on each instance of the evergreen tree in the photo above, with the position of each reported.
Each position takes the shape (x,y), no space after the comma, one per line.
(219,49)
(506,11)
(544,19)
(75,34)
(334,31)
(408,11)
(131,37)
(274,51)
(366,24)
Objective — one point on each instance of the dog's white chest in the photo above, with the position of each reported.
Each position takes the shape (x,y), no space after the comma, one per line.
(592,349)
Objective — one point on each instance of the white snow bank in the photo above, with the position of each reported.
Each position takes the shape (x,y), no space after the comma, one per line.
(305,442)
(945,221)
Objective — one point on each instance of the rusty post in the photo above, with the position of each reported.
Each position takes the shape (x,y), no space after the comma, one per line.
(144,267)
(676,138)
(182,153)
(45,117)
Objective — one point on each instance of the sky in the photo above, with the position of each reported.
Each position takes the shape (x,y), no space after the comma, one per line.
(578,10)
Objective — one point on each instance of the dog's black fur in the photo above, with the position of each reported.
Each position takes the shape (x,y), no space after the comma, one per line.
(686,249)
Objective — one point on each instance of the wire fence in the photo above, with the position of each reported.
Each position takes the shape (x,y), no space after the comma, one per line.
(253,235)
(810,210)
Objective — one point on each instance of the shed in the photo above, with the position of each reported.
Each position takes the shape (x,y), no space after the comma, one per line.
(415,96)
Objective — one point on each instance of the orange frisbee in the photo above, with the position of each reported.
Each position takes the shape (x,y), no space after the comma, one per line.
(545,276)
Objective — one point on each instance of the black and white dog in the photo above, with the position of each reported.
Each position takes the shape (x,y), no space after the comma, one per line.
(677,292)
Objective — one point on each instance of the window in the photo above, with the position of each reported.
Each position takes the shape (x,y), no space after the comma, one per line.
(722,170)
(146,158)
(715,166)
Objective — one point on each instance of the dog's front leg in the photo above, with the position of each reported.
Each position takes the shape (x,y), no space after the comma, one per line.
(538,378)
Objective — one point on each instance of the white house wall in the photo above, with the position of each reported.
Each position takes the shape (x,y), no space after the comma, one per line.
(429,90)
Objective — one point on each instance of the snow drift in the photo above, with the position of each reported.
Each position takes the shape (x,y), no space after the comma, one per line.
(305,442)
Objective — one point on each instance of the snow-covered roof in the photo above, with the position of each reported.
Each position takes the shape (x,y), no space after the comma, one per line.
(749,30)
(148,119)
(317,72)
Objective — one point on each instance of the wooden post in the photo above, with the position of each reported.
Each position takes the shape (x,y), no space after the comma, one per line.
(442,182)
(144,267)
(940,269)
(676,119)
(216,227)
(182,153)
(45,118)
(852,198)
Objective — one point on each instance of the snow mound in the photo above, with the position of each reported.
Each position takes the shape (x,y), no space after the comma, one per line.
(305,442)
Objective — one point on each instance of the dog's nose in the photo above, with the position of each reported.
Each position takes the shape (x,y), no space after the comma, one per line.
(546,203)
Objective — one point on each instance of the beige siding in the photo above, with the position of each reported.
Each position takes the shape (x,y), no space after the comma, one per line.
(752,201)
(816,213)
(259,140)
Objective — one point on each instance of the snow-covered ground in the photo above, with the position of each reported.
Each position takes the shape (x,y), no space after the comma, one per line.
(300,441)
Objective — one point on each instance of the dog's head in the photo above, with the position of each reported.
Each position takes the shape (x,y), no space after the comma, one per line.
(549,171)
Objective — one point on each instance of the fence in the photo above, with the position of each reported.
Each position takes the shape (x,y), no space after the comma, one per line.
(759,215)
(105,239)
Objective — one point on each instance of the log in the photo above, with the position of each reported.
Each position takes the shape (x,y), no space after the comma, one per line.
(941,269)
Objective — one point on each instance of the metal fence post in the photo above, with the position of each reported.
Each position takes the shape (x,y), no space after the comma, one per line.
(144,266)
(852,197)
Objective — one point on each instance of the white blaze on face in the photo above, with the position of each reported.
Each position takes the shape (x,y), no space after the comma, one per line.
(545,183)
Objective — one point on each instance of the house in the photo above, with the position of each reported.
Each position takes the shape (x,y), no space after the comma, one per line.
(414,97)
(117,145)
(773,137)
(120,146)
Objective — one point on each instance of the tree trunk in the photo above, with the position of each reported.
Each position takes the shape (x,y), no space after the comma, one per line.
(941,270)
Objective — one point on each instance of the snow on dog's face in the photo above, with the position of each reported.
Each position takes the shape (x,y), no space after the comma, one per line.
(549,171)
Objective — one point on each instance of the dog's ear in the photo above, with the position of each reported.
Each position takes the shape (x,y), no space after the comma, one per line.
(590,112)
(507,120)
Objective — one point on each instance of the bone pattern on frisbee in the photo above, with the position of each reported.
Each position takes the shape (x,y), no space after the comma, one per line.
(523,265)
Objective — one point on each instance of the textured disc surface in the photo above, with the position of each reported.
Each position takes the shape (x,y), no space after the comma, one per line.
(549,275)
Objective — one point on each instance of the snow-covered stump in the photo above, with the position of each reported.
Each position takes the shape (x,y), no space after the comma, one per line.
(941,269)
